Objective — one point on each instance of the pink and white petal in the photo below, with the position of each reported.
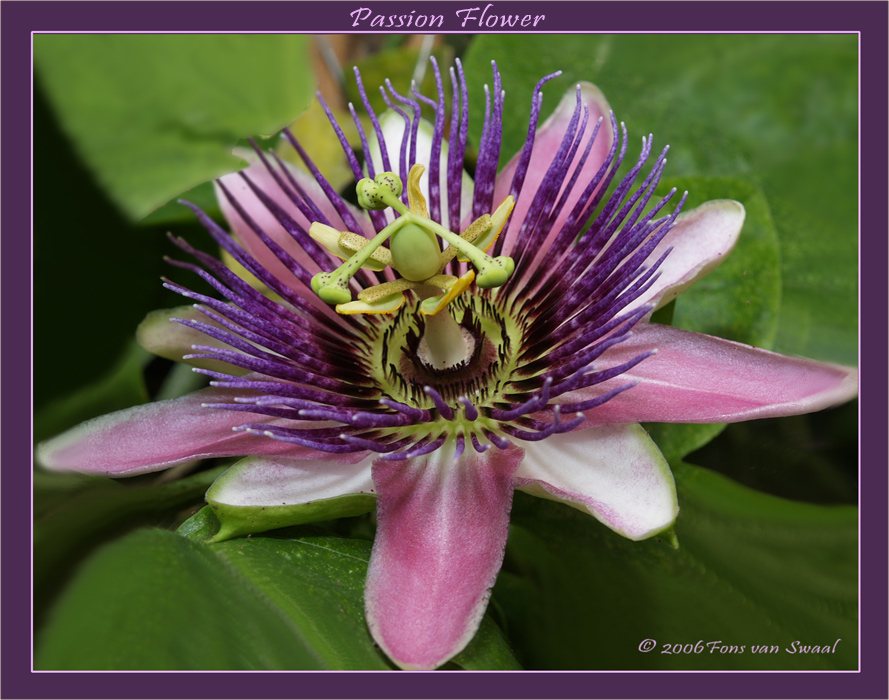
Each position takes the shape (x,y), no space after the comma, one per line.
(701,239)
(546,145)
(441,534)
(266,493)
(260,176)
(392,125)
(164,337)
(158,435)
(615,473)
(697,378)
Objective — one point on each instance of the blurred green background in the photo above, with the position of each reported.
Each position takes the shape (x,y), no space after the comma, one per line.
(768,530)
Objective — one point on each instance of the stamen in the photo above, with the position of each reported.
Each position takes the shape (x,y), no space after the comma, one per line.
(484,365)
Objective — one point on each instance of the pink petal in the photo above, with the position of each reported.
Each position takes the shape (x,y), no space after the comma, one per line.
(441,534)
(260,177)
(701,240)
(546,144)
(158,435)
(282,481)
(615,473)
(697,378)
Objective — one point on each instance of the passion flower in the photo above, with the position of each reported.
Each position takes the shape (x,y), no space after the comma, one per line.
(445,343)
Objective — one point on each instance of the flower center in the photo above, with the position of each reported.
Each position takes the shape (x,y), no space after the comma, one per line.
(411,349)
(424,345)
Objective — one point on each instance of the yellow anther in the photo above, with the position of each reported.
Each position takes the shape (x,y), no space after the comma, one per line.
(473,231)
(386,305)
(378,291)
(498,220)
(344,244)
(354,242)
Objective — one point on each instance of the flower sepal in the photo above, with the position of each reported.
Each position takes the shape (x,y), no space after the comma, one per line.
(238,521)
(259,494)
(669,536)
(172,333)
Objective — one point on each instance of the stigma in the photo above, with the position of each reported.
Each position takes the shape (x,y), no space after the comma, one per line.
(414,254)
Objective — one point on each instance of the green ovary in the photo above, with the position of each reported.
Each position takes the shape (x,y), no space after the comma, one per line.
(415,253)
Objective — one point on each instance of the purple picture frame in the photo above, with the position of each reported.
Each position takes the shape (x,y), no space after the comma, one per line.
(20,19)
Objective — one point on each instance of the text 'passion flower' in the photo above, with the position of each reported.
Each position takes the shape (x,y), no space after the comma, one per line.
(449,340)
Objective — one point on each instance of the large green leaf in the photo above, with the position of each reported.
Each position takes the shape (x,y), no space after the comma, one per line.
(75,513)
(751,569)
(780,110)
(154,115)
(157,600)
(292,600)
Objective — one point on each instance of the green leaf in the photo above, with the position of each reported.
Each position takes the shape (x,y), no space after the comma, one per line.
(488,651)
(157,600)
(95,274)
(75,513)
(750,570)
(780,110)
(813,457)
(203,196)
(154,115)
(293,600)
